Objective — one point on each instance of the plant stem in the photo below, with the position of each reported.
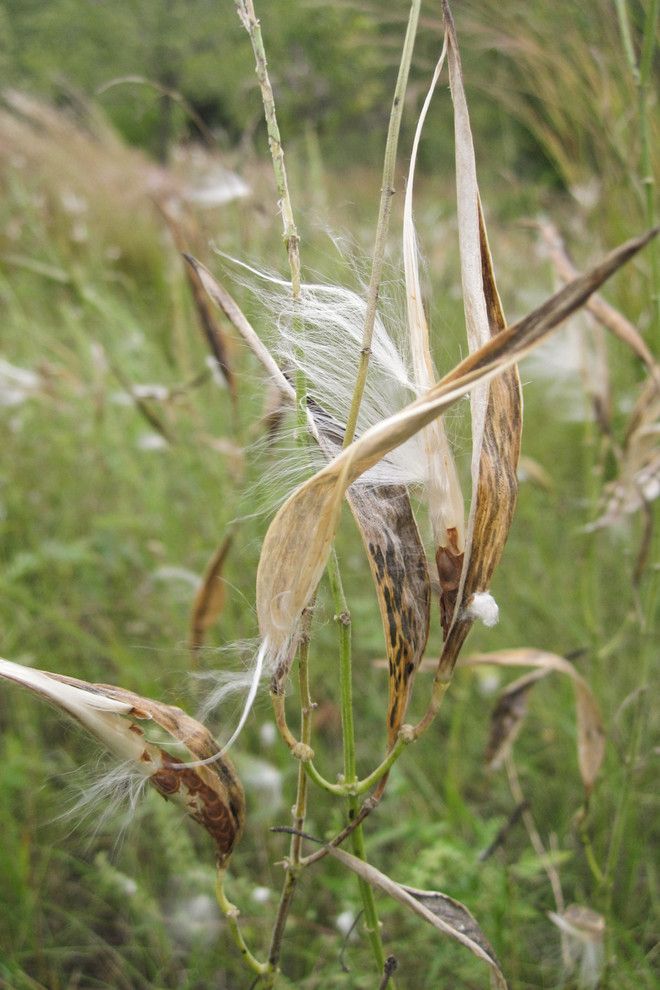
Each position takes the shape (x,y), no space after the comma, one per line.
(343,618)
(293,867)
(618,833)
(385,209)
(648,181)
(231,913)
(641,70)
(249,20)
(252,26)
(533,833)
(364,785)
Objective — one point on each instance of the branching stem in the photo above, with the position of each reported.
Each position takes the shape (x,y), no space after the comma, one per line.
(293,866)
(231,913)
(343,618)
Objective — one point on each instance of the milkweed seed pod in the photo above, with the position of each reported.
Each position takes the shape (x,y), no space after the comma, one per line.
(212,795)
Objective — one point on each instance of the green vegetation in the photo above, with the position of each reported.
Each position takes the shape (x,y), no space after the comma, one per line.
(112,499)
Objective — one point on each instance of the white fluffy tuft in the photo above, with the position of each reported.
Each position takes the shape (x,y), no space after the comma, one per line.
(483,607)
(265,662)
(321,335)
(112,792)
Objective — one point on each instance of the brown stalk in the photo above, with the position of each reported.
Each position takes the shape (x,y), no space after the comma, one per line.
(213,333)
(607,315)
(210,599)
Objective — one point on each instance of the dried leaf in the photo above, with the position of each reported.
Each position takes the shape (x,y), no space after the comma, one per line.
(232,311)
(590,730)
(508,715)
(582,940)
(638,480)
(213,332)
(607,315)
(210,599)
(212,795)
(456,915)
(298,541)
(445,914)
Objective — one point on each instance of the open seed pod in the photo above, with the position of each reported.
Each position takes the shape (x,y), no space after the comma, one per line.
(299,539)
(211,795)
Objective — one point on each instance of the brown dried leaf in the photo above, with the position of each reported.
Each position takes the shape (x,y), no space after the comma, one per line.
(638,480)
(456,915)
(298,541)
(607,315)
(508,715)
(213,332)
(590,730)
(222,299)
(210,598)
(211,795)
(445,914)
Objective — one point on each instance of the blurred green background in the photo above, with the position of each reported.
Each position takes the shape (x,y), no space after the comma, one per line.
(122,462)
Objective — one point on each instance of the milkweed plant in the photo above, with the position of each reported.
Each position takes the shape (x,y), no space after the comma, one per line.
(369,405)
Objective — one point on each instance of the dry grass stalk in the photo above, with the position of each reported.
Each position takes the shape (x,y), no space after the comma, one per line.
(210,598)
(213,332)
(212,796)
(607,315)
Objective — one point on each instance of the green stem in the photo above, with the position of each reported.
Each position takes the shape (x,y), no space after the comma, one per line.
(252,26)
(648,181)
(641,70)
(362,786)
(359,787)
(385,209)
(339,790)
(342,616)
(626,37)
(231,914)
(299,810)
(624,793)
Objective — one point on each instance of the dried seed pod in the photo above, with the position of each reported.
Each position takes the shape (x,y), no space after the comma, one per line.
(212,795)
(298,541)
